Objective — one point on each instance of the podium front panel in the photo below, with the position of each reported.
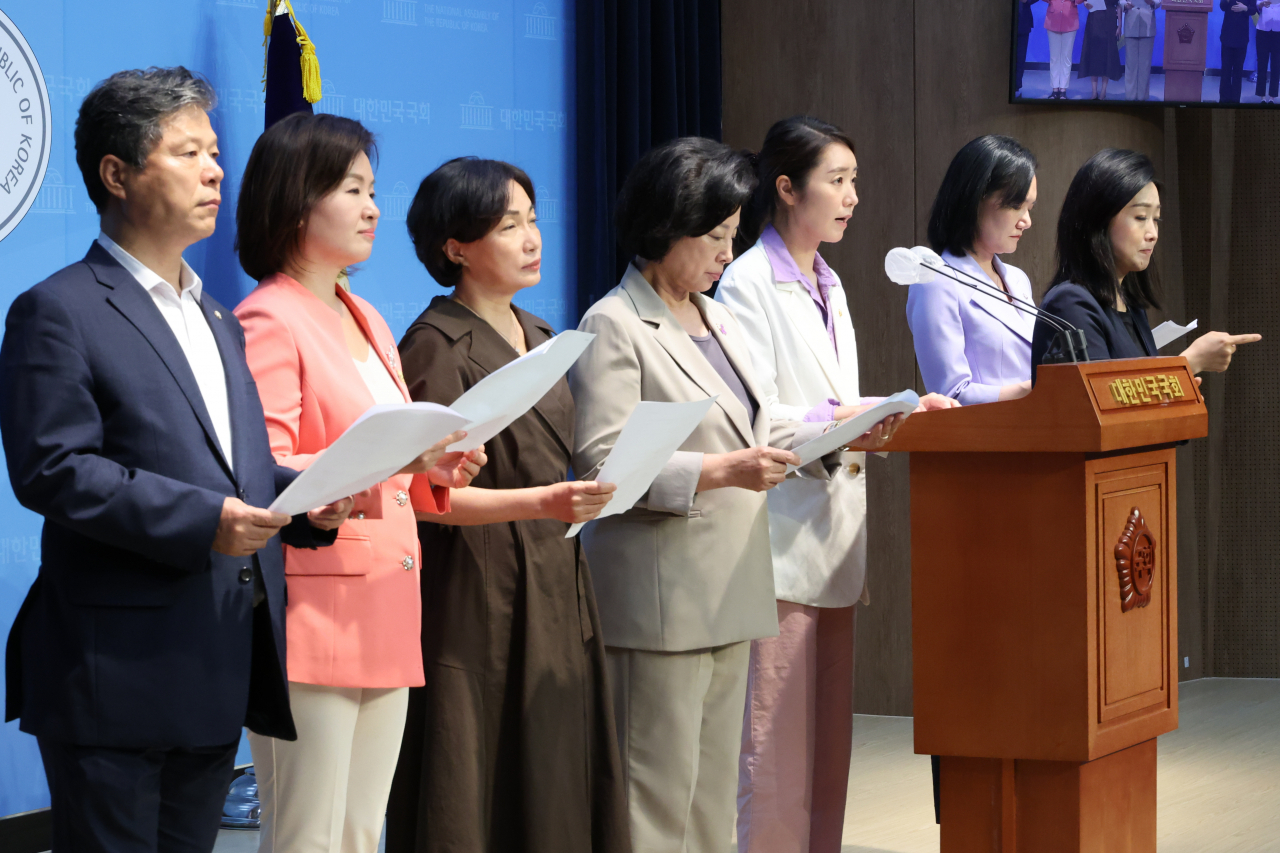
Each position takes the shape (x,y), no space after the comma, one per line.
(1043,602)
(1133,580)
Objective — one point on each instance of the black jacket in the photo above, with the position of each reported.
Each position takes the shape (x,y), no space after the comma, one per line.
(1235,25)
(1104,330)
(1026,19)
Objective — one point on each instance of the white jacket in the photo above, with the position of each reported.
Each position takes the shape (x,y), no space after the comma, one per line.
(817,529)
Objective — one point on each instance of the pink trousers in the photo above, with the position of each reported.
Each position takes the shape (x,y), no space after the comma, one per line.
(797,733)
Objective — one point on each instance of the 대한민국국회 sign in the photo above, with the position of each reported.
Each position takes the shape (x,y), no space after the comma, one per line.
(25,131)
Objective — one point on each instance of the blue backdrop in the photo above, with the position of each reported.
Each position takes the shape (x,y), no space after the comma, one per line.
(1038,45)
(434,81)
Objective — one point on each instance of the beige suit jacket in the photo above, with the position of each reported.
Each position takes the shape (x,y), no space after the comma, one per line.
(681,570)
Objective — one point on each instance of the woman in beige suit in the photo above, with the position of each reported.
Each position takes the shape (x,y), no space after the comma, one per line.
(684,580)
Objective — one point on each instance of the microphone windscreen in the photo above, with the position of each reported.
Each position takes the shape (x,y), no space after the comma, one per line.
(903,267)
(925,255)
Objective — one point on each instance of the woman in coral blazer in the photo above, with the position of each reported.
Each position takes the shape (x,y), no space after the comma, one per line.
(320,357)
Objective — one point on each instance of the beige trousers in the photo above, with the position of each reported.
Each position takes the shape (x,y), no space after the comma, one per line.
(680,729)
(327,791)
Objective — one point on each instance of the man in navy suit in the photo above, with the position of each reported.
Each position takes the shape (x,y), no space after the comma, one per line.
(1026,23)
(155,629)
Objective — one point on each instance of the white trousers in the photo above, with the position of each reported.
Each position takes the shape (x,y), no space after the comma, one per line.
(680,729)
(1060,47)
(327,791)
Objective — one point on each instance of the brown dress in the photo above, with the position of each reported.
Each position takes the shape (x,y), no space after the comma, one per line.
(510,747)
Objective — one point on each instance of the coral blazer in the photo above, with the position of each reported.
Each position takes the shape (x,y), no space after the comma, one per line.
(354,610)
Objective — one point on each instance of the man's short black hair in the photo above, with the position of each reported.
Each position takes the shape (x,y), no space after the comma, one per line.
(123,116)
(986,166)
(462,200)
(683,188)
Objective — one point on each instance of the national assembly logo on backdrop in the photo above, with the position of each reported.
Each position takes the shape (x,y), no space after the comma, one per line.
(25,132)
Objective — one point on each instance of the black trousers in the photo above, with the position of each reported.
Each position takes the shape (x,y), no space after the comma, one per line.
(1232,74)
(136,800)
(1023,38)
(1268,45)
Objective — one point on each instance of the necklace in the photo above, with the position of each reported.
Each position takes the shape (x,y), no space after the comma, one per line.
(514,336)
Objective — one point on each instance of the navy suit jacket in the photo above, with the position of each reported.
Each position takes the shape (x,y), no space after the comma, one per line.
(1235,25)
(1104,331)
(1026,18)
(136,634)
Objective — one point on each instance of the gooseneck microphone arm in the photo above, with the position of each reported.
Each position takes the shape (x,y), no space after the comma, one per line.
(990,290)
(1068,345)
(908,266)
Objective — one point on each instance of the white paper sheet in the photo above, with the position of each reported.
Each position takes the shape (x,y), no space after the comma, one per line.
(504,395)
(1169,331)
(902,403)
(648,439)
(381,442)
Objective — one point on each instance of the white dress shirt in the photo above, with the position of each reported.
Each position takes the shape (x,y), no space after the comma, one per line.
(190,327)
(382,387)
(1269,18)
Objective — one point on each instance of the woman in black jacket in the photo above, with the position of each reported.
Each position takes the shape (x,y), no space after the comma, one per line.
(1107,232)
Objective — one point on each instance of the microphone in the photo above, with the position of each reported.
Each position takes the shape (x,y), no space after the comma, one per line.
(921,265)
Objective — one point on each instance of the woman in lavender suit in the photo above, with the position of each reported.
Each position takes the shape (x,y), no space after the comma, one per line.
(976,346)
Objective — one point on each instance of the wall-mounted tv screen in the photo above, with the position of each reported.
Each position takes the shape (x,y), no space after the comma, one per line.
(1211,52)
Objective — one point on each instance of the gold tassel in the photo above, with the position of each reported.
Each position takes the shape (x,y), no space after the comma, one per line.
(266,39)
(310,64)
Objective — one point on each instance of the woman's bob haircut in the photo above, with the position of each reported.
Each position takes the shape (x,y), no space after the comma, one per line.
(298,161)
(462,200)
(683,188)
(986,166)
(1102,188)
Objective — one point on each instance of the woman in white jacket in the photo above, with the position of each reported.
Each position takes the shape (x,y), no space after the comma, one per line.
(797,732)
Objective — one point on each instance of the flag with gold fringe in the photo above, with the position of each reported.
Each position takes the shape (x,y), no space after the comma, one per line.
(291,72)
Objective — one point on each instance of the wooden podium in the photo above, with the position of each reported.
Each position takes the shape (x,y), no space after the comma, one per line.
(1044,604)
(1186,41)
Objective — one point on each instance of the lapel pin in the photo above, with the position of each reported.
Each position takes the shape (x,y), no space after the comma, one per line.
(723,330)
(218,314)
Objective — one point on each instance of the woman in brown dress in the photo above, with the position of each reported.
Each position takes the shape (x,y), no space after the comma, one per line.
(510,747)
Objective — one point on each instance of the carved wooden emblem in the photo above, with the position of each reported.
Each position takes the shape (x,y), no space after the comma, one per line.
(1136,562)
(1186,33)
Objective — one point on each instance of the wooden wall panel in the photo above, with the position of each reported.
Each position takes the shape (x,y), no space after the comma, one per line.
(1245,604)
(912,86)
(1193,140)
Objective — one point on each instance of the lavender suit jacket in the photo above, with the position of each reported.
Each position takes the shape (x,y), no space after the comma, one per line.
(968,344)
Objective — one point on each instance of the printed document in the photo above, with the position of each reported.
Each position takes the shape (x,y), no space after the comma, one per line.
(504,395)
(381,442)
(649,438)
(1169,331)
(902,403)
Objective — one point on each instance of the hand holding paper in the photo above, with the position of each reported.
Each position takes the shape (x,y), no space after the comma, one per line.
(756,469)
(902,403)
(332,516)
(427,459)
(577,501)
